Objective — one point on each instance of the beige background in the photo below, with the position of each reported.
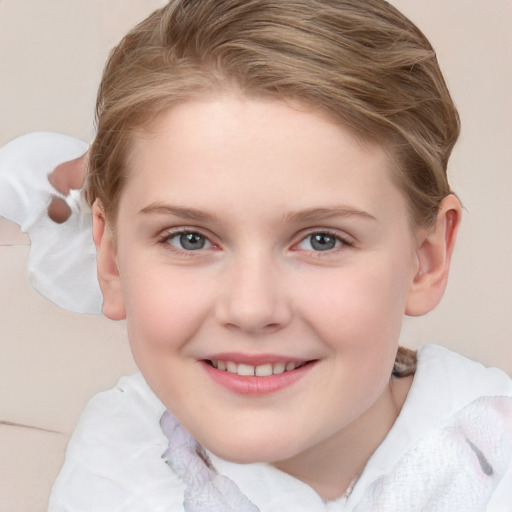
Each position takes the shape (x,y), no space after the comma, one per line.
(52,361)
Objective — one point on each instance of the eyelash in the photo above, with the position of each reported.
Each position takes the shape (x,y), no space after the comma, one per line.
(344,241)
(170,235)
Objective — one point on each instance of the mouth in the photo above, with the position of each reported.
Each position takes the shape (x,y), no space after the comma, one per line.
(260,370)
(259,379)
(256,374)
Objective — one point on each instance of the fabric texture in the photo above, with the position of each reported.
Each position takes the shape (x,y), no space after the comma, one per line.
(450,449)
(205,489)
(62,261)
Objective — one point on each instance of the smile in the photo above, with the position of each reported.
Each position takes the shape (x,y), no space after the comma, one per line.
(262,370)
(266,375)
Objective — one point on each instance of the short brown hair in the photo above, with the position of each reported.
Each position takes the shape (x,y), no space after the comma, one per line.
(361,62)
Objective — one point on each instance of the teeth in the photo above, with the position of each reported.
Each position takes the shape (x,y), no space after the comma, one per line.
(279,368)
(231,367)
(263,370)
(245,369)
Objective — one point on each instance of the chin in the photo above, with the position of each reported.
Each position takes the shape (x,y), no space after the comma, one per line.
(251,450)
(243,456)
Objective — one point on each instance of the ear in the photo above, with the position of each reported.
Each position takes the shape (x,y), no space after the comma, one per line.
(108,273)
(434,252)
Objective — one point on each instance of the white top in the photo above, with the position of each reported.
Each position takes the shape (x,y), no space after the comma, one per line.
(450,449)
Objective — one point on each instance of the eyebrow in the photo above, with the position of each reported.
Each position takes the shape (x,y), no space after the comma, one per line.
(308,215)
(319,214)
(178,211)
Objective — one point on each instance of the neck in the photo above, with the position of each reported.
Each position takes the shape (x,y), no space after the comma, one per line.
(332,467)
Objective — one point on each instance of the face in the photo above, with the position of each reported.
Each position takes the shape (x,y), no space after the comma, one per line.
(265,258)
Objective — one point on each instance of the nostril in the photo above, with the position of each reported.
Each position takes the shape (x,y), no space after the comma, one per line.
(59,211)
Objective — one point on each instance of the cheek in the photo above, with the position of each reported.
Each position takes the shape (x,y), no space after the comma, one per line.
(358,309)
(165,309)
(164,306)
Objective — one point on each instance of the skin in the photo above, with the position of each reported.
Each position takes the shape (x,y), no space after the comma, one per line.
(65,177)
(255,179)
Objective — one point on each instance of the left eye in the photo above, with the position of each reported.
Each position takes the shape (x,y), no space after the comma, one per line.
(189,241)
(320,242)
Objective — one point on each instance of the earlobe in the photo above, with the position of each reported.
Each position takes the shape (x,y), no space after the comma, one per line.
(435,248)
(108,273)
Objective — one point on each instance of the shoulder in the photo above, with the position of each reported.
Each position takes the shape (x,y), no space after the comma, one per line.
(445,385)
(127,407)
(454,380)
(114,458)
(462,463)
(465,409)
(452,440)
(451,445)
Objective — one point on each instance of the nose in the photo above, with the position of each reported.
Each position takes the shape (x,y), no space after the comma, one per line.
(253,297)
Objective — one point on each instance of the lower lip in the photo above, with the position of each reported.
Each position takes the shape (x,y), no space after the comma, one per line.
(253,385)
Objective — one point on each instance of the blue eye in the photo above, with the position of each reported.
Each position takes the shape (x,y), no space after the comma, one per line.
(188,241)
(320,242)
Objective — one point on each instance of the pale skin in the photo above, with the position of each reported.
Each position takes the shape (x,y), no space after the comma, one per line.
(302,251)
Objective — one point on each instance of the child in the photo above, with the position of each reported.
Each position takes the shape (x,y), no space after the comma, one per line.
(269,193)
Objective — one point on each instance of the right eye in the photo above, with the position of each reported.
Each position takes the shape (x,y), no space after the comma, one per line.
(320,242)
(187,241)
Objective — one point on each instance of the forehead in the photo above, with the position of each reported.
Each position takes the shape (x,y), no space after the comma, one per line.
(230,150)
